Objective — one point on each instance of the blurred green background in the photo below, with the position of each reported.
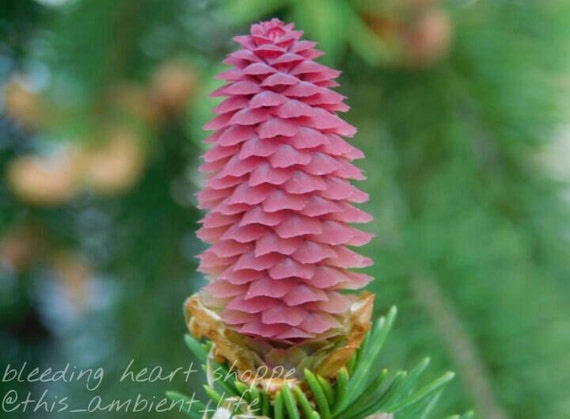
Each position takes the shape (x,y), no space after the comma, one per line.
(462,113)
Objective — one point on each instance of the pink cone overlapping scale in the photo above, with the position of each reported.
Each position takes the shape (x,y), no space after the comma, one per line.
(278,195)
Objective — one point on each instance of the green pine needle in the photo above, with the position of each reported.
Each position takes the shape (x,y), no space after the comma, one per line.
(196,349)
(327,389)
(303,402)
(227,386)
(422,409)
(290,404)
(319,394)
(265,404)
(408,385)
(368,355)
(244,391)
(354,360)
(341,385)
(428,389)
(278,406)
(370,398)
(256,399)
(192,407)
(213,394)
(349,396)
(392,392)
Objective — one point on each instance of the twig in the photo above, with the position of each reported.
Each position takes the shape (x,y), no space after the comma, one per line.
(472,371)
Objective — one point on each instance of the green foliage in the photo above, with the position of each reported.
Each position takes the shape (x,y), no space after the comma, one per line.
(335,24)
(101,42)
(462,204)
(19,20)
(359,390)
(471,232)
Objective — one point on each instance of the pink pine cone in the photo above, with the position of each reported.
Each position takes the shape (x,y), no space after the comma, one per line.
(277,192)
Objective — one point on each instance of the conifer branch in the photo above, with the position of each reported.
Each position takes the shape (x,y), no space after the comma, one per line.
(472,369)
